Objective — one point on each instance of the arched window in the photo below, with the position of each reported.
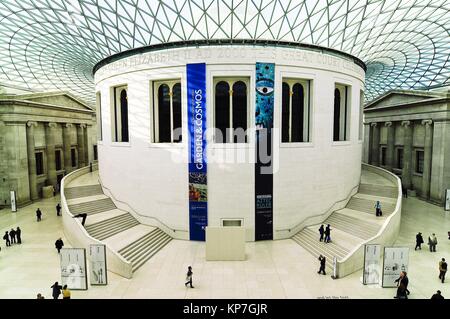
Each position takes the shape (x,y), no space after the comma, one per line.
(336,114)
(239,94)
(164,113)
(222,112)
(295,111)
(176,117)
(124,116)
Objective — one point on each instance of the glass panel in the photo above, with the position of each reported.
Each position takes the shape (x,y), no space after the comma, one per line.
(336,114)
(400,158)
(58,160)
(177,137)
(298,108)
(73,157)
(39,163)
(240,111)
(419,161)
(285,96)
(222,111)
(124,115)
(164,114)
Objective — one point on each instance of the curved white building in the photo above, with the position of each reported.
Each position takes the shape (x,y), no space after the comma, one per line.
(214,90)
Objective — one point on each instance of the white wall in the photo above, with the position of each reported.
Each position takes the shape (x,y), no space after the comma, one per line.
(308,177)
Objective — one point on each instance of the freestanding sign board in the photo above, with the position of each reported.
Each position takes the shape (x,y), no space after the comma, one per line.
(447,199)
(395,261)
(97,271)
(13,201)
(73,268)
(371,272)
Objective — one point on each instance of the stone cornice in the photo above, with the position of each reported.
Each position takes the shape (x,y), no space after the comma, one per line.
(44,106)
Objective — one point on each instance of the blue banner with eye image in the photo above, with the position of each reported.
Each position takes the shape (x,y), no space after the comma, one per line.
(198,195)
(265,77)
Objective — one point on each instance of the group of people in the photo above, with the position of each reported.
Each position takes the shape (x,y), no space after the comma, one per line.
(13,236)
(57,289)
(325,234)
(432,242)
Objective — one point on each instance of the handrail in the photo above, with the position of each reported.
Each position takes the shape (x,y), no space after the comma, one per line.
(322,214)
(135,211)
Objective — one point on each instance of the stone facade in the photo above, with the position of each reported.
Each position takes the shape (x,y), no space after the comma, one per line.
(39,133)
(408,133)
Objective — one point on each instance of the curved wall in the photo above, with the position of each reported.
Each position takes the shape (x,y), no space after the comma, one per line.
(308,177)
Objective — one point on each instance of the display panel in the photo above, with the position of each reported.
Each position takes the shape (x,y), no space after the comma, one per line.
(73,268)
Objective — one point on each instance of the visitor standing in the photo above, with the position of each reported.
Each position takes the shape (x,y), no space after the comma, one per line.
(321,232)
(66,292)
(432,242)
(6,238)
(56,290)
(59,244)
(38,215)
(18,235)
(419,241)
(442,269)
(189,277)
(322,260)
(437,295)
(58,209)
(12,234)
(327,234)
(378,208)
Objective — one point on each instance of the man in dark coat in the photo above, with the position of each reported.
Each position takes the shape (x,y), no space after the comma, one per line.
(327,234)
(323,261)
(402,284)
(321,231)
(38,215)
(419,241)
(6,238)
(58,210)
(56,290)
(59,244)
(12,234)
(18,234)
(437,295)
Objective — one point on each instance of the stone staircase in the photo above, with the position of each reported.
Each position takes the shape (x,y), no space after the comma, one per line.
(351,225)
(122,232)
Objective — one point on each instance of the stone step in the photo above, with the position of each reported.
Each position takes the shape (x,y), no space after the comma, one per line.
(96,218)
(378,190)
(128,237)
(139,243)
(113,226)
(368,206)
(315,251)
(155,248)
(83,191)
(93,207)
(332,247)
(353,226)
(81,200)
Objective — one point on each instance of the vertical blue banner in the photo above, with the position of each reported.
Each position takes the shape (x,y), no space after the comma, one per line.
(265,78)
(198,195)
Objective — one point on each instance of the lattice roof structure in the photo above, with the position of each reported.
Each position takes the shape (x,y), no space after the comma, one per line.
(54,44)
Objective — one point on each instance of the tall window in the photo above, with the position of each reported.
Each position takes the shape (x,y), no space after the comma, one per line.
(419,161)
(39,163)
(341,113)
(400,158)
(383,156)
(120,115)
(99,116)
(95,153)
(73,157)
(230,110)
(361,114)
(167,112)
(58,160)
(295,113)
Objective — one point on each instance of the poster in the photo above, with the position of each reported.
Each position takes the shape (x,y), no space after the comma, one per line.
(265,75)
(97,271)
(395,261)
(13,201)
(198,195)
(371,270)
(447,199)
(73,268)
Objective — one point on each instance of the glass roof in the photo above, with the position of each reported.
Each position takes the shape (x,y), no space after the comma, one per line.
(54,44)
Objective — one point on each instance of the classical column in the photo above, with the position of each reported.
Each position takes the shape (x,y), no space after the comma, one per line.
(50,132)
(407,154)
(426,177)
(390,145)
(375,144)
(81,147)
(32,161)
(86,145)
(67,145)
(367,144)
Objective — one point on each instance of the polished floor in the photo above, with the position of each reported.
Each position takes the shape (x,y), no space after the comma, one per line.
(274,269)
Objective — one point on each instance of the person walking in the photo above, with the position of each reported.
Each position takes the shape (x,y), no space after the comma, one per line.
(442,269)
(432,242)
(378,208)
(56,290)
(437,295)
(59,244)
(321,232)
(419,241)
(18,234)
(6,238)
(12,234)
(66,292)
(38,215)
(323,261)
(402,286)
(189,277)
(58,209)
(327,234)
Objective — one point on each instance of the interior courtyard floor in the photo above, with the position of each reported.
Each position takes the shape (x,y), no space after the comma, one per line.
(273,269)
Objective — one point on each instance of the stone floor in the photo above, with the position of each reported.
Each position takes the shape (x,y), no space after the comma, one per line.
(273,269)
